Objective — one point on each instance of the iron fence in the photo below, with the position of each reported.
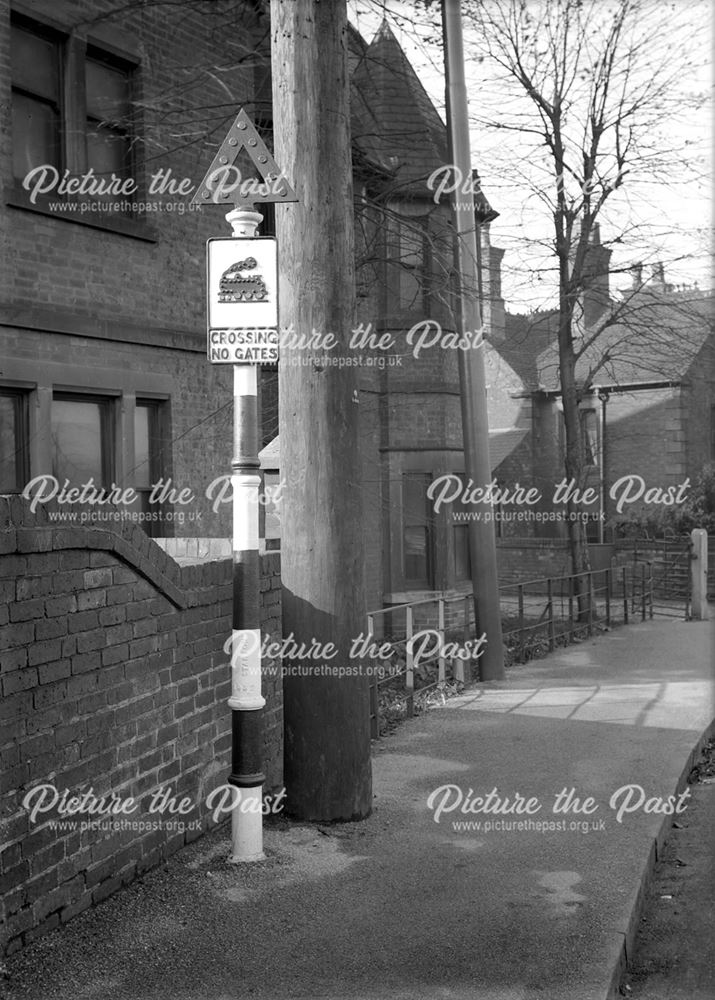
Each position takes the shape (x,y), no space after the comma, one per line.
(537,616)
(669,560)
(407,629)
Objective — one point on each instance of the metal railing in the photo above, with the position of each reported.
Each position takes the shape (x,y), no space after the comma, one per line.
(669,560)
(537,616)
(400,625)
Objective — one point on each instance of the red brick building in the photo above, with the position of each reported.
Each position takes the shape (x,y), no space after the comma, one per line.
(102,295)
(113,661)
(647,393)
(409,393)
(104,376)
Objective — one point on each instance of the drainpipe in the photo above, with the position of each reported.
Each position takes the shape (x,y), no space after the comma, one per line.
(603,396)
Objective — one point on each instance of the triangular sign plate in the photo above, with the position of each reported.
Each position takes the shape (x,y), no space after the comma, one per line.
(223,183)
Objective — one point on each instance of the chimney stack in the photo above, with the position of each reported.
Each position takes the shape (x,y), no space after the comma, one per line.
(492,303)
(657,278)
(596,293)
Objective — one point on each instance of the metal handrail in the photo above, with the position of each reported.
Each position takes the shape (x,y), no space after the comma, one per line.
(637,595)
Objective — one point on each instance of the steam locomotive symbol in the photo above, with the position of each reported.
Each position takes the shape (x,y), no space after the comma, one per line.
(235,286)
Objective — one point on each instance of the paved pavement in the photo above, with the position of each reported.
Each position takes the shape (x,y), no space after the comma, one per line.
(402,907)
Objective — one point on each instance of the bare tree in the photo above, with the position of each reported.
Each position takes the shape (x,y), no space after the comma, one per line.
(587,85)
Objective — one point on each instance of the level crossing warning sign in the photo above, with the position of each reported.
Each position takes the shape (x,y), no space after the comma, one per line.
(242,307)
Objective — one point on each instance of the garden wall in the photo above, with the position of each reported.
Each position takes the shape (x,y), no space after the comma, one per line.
(114,681)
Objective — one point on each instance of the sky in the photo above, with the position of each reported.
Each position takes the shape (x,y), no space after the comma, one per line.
(674,215)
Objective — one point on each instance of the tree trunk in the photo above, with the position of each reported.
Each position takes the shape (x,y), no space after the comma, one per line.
(327,738)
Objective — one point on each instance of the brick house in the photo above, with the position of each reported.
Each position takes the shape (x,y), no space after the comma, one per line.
(410,407)
(102,296)
(102,305)
(647,397)
(114,672)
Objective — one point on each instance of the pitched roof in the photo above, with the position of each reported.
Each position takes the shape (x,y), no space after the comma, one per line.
(526,335)
(394,120)
(649,336)
(503,442)
(395,125)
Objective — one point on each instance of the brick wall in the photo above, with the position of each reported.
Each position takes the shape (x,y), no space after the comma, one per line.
(104,302)
(645,437)
(522,559)
(114,679)
(155,282)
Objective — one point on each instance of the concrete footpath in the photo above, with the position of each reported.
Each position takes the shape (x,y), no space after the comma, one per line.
(402,907)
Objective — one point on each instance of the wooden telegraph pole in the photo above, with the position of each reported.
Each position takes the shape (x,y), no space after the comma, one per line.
(327,744)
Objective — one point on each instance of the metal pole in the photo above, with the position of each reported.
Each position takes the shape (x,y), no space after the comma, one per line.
(475,426)
(246,702)
(440,629)
(374,692)
(602,469)
(409,664)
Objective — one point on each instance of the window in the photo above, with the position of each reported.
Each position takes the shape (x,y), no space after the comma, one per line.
(83,440)
(270,510)
(462,560)
(147,445)
(458,514)
(35,101)
(416,530)
(411,260)
(589,436)
(593,529)
(107,98)
(148,465)
(71,106)
(14,439)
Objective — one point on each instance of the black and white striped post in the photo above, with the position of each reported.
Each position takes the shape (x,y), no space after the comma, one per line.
(246,701)
(237,339)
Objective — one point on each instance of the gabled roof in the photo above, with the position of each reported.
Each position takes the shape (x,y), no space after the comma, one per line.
(394,120)
(650,336)
(395,126)
(526,336)
(503,442)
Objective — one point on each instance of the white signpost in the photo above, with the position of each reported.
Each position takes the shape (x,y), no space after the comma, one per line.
(242,322)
